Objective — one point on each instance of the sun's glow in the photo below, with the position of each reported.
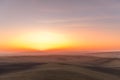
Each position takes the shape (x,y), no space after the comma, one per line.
(43,40)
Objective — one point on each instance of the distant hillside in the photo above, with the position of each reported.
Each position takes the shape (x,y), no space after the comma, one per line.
(106,54)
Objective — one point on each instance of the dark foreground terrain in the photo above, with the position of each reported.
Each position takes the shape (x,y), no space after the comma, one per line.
(59,68)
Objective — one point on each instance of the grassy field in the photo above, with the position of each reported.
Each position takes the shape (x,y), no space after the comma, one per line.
(59,68)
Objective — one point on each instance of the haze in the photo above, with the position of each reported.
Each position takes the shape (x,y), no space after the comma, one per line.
(74,24)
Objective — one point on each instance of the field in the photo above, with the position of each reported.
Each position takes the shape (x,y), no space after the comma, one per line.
(57,67)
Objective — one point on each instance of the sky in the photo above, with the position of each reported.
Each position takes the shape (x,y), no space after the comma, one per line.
(56,24)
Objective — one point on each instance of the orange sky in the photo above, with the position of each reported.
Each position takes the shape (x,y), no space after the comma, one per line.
(56,25)
(44,39)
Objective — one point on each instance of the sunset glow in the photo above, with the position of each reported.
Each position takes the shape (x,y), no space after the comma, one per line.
(42,41)
(57,24)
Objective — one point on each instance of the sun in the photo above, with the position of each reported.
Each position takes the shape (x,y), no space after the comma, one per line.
(43,40)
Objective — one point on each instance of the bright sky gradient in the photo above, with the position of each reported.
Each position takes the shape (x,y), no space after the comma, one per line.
(74,24)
